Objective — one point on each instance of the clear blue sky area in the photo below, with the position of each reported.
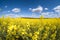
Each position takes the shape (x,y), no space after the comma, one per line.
(28,8)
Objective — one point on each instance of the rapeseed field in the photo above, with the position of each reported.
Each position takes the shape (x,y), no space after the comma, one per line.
(29,29)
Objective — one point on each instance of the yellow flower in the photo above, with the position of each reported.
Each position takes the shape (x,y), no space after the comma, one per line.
(23,33)
(53,35)
(8,30)
(12,27)
(37,33)
(30,34)
(13,33)
(47,28)
(34,37)
(17,36)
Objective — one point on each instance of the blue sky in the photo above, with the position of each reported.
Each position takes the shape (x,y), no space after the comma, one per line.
(30,8)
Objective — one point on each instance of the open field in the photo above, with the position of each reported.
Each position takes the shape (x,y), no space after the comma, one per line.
(29,28)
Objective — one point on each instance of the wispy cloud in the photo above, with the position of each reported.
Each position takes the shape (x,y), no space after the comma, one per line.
(0,9)
(15,15)
(45,8)
(50,15)
(12,15)
(8,11)
(6,6)
(16,10)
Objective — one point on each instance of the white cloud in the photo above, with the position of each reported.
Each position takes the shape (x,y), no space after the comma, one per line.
(16,10)
(46,8)
(57,9)
(38,9)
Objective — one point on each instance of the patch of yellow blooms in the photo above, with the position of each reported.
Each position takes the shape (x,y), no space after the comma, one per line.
(29,29)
